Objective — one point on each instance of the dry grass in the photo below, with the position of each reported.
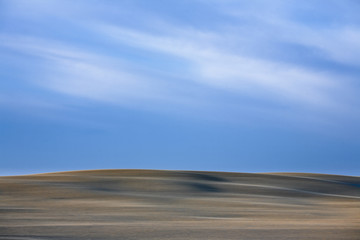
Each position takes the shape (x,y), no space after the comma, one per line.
(147,204)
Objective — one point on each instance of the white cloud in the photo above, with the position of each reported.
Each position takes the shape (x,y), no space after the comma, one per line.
(275,21)
(220,59)
(213,65)
(340,44)
(81,73)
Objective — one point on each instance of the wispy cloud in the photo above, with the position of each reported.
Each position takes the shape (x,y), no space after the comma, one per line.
(239,57)
(211,64)
(320,25)
(79,72)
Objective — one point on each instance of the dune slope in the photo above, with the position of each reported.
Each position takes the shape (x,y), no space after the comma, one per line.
(149,204)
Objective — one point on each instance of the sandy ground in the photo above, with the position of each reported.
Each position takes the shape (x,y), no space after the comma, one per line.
(147,204)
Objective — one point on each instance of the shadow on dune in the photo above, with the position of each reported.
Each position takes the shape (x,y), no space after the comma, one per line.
(201,187)
(205,177)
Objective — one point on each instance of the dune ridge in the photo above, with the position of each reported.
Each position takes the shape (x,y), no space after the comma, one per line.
(159,204)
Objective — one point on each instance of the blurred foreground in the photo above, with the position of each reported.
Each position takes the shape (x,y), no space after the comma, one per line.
(147,204)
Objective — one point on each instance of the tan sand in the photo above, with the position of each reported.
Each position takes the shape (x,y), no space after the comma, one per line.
(148,204)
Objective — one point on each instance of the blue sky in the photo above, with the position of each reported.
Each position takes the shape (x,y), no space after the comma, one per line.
(223,85)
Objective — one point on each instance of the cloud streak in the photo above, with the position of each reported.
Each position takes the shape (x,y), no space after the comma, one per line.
(81,73)
(214,66)
(181,65)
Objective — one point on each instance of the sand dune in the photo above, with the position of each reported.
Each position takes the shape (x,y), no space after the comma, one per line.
(149,204)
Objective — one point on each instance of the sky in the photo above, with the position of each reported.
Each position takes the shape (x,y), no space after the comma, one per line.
(218,85)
